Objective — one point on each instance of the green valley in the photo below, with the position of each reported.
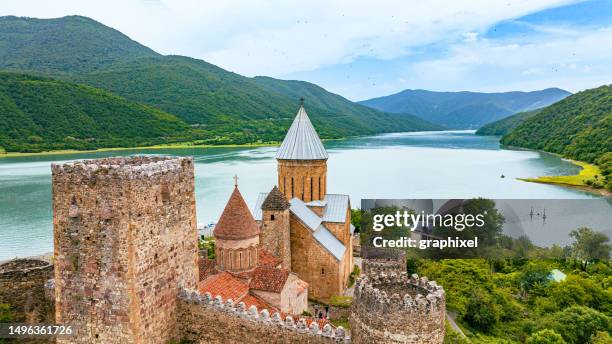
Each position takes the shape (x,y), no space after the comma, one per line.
(223,107)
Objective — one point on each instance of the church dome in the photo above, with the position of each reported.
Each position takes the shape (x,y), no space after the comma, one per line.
(236,222)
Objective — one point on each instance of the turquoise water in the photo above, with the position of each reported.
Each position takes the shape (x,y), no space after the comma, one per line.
(454,164)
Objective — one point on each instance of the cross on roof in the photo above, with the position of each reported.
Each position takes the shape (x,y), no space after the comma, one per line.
(235,180)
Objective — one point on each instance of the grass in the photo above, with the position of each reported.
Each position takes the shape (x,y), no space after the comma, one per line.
(588,172)
(341,322)
(341,301)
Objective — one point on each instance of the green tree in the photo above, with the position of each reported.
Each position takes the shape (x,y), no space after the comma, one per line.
(481,312)
(545,336)
(356,218)
(533,277)
(577,324)
(589,246)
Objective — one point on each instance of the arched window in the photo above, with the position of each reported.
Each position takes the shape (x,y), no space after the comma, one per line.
(239,260)
(272,217)
(322,271)
(319,187)
(292,188)
(303,186)
(311,188)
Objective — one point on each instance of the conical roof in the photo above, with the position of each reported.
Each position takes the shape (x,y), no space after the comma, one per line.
(275,200)
(302,141)
(236,222)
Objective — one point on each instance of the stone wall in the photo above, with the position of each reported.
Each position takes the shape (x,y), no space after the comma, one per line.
(22,287)
(315,265)
(275,236)
(396,308)
(125,241)
(376,266)
(295,178)
(208,320)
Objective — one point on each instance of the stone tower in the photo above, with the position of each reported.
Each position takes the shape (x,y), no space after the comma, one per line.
(302,161)
(397,308)
(236,236)
(125,243)
(275,235)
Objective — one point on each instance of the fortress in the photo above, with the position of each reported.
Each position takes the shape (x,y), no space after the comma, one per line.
(127,268)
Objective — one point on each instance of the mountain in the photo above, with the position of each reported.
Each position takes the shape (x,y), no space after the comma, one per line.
(464,110)
(38,113)
(229,107)
(578,127)
(505,125)
(72,44)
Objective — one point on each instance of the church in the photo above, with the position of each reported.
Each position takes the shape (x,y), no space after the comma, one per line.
(295,245)
(309,230)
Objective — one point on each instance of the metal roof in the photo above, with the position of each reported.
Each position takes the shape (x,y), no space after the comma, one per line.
(318,203)
(330,242)
(307,216)
(257,212)
(336,208)
(302,141)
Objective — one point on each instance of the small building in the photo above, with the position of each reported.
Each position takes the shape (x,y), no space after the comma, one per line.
(244,271)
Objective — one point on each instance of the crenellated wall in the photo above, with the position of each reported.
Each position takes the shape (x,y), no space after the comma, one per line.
(395,308)
(214,320)
(376,266)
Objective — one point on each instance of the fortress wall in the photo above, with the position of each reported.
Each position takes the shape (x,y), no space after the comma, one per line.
(22,284)
(208,320)
(125,241)
(396,308)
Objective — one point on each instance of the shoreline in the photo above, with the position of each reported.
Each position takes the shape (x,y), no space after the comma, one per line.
(575,181)
(110,149)
(185,145)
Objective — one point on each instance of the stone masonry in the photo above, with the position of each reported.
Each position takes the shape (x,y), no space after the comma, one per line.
(395,308)
(304,179)
(125,243)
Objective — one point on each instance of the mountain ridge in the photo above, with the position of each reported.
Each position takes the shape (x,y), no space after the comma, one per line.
(231,108)
(464,109)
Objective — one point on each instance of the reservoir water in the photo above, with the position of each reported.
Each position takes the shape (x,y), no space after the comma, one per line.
(451,164)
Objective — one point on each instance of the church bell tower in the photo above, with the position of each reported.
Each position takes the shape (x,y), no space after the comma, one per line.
(302,161)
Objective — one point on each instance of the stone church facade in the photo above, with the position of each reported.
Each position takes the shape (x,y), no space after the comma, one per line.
(311,231)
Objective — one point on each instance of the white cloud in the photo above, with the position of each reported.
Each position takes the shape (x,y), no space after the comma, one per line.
(280,37)
(563,60)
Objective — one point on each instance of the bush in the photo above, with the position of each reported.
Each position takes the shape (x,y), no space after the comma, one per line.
(577,324)
(481,313)
(545,336)
(5,313)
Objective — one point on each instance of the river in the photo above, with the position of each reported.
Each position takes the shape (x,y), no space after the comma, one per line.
(450,164)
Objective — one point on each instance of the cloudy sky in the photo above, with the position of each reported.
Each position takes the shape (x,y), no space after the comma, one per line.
(374,48)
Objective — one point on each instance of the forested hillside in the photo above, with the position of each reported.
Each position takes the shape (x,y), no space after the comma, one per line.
(464,110)
(578,127)
(39,113)
(228,107)
(503,126)
(69,45)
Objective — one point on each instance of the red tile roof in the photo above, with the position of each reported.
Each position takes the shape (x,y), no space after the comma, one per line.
(268,259)
(206,267)
(236,222)
(252,300)
(226,285)
(269,279)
